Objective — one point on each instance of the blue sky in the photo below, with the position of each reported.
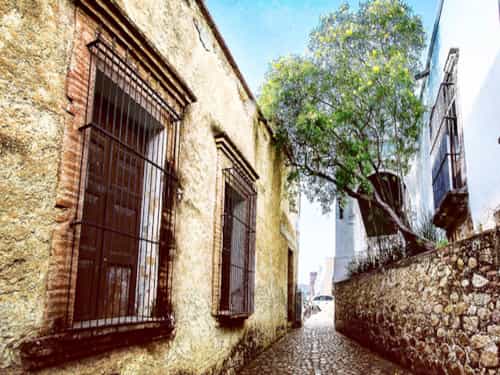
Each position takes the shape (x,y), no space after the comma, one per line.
(259,31)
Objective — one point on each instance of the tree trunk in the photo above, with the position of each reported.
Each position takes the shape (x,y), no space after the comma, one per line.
(417,243)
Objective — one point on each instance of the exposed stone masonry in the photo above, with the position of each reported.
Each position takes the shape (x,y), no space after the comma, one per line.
(436,313)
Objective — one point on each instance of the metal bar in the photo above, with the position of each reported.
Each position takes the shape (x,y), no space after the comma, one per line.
(442,121)
(230,216)
(447,155)
(107,229)
(114,181)
(99,43)
(85,325)
(115,139)
(150,221)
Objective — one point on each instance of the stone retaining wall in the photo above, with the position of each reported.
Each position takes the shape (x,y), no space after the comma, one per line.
(435,313)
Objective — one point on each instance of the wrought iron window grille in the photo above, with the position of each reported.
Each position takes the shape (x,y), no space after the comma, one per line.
(446,137)
(237,266)
(125,218)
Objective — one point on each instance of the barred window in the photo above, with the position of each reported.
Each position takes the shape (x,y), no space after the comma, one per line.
(447,153)
(340,207)
(290,287)
(238,245)
(125,223)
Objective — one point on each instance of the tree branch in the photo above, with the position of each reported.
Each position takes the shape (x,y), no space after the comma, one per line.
(409,235)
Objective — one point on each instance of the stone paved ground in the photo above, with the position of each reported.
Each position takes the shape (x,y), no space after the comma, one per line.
(317,349)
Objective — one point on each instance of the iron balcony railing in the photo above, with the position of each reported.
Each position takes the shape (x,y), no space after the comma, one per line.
(446,150)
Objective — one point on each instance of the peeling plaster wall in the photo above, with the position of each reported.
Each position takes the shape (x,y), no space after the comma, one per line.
(35,50)
(34,54)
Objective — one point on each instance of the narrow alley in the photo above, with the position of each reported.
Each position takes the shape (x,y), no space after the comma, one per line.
(318,349)
(183,180)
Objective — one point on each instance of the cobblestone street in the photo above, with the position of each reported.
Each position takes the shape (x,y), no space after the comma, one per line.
(318,349)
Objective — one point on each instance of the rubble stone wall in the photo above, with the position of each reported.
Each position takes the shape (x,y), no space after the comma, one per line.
(435,313)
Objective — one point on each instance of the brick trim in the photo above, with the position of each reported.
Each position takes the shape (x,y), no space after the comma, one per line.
(228,156)
(116,29)
(110,16)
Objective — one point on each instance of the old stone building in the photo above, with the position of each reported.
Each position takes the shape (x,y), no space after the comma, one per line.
(143,223)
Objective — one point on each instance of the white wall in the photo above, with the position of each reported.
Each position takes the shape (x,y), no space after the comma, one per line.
(350,238)
(325,277)
(418,182)
(474,28)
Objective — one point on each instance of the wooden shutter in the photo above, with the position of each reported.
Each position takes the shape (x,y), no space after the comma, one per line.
(238,243)
(107,266)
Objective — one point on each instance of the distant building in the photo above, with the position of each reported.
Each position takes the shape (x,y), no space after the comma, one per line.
(350,237)
(312,283)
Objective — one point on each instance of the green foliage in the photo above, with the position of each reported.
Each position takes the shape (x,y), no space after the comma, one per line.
(425,228)
(442,243)
(383,253)
(347,108)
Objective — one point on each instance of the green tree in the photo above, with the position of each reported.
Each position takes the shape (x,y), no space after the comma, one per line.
(347,109)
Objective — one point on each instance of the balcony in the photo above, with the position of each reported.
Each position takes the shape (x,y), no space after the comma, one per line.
(450,192)
(448,178)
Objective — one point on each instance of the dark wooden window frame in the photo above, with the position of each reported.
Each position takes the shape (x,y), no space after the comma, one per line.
(446,135)
(60,339)
(235,235)
(291,295)
(122,244)
(238,245)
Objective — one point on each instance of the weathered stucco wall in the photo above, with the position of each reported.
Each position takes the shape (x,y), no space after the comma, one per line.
(34,53)
(437,313)
(35,50)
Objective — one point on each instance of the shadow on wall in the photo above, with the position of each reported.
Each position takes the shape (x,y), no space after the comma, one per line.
(482,151)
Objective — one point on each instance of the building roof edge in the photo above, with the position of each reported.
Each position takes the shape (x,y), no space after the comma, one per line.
(227,52)
(432,42)
(229,56)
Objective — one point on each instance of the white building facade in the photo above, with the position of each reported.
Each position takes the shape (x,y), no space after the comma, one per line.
(455,177)
(350,237)
(324,285)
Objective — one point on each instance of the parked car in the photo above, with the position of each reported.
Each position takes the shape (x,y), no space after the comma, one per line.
(322,301)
